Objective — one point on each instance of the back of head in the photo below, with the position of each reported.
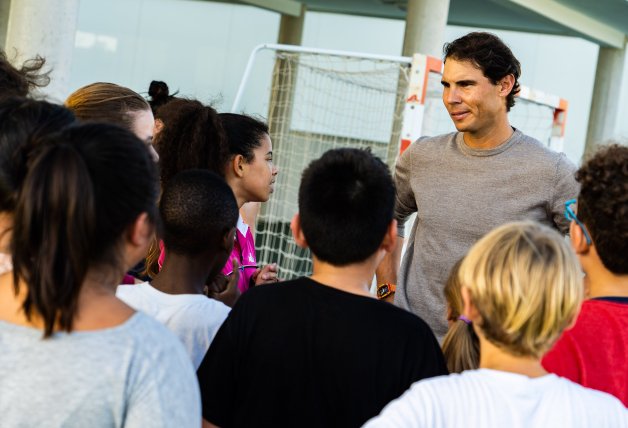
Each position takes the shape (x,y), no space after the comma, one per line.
(526,284)
(244,133)
(346,202)
(603,205)
(23,123)
(20,82)
(197,209)
(461,347)
(83,189)
(107,102)
(490,54)
(192,138)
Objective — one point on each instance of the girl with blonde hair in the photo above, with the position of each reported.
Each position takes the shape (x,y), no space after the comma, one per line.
(521,287)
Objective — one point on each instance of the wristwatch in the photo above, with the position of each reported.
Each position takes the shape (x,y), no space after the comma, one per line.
(384,290)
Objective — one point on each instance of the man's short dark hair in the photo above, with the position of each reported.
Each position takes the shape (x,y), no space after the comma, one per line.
(603,205)
(346,203)
(487,52)
(197,208)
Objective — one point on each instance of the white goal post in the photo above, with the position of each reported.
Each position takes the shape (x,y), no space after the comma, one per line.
(320,99)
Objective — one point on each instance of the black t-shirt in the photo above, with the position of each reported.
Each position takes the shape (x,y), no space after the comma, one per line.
(300,353)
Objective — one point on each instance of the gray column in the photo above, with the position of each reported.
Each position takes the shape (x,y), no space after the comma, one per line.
(45,28)
(291,28)
(425,27)
(605,99)
(5,6)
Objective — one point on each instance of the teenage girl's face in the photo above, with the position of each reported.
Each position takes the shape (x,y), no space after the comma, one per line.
(259,179)
(143,128)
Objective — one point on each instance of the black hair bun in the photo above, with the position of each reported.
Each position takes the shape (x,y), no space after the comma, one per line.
(158,90)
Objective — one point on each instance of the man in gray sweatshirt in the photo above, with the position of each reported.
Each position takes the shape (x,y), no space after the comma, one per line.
(463,184)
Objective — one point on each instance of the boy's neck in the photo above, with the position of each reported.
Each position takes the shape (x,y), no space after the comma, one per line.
(182,275)
(604,283)
(354,278)
(494,358)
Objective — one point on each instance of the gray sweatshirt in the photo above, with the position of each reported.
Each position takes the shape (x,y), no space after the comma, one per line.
(133,375)
(460,194)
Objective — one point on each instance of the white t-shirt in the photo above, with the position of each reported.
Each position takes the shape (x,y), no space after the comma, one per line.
(194,318)
(491,398)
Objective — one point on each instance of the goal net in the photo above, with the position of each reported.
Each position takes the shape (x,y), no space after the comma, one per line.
(320,100)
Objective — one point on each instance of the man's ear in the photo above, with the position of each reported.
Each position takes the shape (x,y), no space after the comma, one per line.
(469,309)
(297,232)
(140,232)
(577,239)
(506,84)
(390,239)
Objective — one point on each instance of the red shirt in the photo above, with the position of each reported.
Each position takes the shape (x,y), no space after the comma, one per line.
(594,353)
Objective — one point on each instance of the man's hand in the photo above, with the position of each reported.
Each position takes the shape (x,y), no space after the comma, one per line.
(225,288)
(266,275)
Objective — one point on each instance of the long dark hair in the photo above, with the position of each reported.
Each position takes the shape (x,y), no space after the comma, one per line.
(23,123)
(82,190)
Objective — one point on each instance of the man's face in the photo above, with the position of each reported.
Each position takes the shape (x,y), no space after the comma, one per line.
(473,102)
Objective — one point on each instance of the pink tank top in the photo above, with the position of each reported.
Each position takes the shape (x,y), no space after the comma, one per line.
(243,251)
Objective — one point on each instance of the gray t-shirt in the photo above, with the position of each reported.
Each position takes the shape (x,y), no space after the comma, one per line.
(133,375)
(460,194)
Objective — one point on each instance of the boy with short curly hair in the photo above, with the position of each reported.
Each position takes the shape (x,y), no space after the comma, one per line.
(593,353)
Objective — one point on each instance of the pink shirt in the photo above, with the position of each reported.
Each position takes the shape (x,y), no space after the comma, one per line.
(243,251)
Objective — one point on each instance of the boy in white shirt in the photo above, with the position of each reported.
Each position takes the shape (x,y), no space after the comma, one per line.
(199,215)
(521,287)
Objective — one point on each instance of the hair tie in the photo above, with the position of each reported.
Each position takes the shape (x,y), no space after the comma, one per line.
(465,319)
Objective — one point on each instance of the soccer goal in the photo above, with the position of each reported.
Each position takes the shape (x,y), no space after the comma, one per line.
(321,99)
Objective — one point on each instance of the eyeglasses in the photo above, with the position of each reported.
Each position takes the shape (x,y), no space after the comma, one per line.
(571,215)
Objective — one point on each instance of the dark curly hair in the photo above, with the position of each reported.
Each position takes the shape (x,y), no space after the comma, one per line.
(487,52)
(603,205)
(19,82)
(192,138)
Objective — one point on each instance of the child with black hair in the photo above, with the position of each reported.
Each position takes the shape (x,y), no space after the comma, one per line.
(234,146)
(199,215)
(593,352)
(72,353)
(23,124)
(322,351)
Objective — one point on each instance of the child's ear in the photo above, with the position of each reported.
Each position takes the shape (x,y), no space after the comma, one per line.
(390,239)
(297,232)
(577,239)
(469,309)
(237,165)
(140,232)
(228,239)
